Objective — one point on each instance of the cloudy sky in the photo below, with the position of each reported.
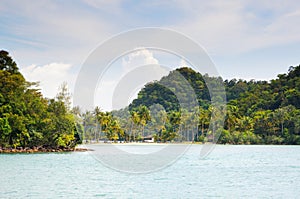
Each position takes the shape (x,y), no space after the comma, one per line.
(50,40)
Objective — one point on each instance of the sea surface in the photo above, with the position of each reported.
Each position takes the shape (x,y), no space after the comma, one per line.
(227,172)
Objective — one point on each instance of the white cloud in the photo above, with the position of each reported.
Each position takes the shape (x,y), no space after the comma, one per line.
(128,78)
(140,57)
(50,76)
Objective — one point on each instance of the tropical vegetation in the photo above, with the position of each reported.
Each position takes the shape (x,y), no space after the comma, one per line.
(257,112)
(27,119)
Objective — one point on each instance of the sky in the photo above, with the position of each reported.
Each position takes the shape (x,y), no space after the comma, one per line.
(50,40)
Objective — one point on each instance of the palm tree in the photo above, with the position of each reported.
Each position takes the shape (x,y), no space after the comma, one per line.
(204,118)
(232,117)
(283,115)
(175,121)
(99,116)
(105,122)
(89,125)
(245,123)
(113,129)
(135,120)
(144,115)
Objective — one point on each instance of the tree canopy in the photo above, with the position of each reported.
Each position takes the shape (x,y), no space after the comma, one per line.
(257,112)
(27,119)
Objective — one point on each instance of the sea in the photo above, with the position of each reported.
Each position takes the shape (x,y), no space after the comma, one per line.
(240,171)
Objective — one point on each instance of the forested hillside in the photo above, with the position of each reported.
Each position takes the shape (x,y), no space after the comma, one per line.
(258,112)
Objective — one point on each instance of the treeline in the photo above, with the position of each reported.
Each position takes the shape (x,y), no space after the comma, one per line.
(257,112)
(27,119)
(132,125)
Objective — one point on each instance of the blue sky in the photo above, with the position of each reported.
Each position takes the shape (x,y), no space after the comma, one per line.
(246,39)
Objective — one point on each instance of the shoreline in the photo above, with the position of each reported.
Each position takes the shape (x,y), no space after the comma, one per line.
(85,148)
(40,150)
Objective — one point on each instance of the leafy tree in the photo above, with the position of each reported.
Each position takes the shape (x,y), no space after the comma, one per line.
(26,118)
(7,63)
(257,111)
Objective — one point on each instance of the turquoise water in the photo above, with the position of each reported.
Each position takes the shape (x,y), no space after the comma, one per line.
(228,172)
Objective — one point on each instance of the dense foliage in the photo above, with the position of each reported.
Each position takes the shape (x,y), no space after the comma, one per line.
(257,112)
(26,118)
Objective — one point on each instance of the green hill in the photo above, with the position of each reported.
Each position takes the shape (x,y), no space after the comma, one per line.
(266,112)
(176,108)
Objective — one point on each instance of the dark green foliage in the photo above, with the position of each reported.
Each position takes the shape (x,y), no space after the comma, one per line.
(7,63)
(258,112)
(155,93)
(26,118)
(164,92)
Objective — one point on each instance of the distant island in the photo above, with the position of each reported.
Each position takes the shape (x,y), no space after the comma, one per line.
(258,112)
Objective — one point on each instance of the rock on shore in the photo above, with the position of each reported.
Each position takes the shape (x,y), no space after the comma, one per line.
(38,150)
